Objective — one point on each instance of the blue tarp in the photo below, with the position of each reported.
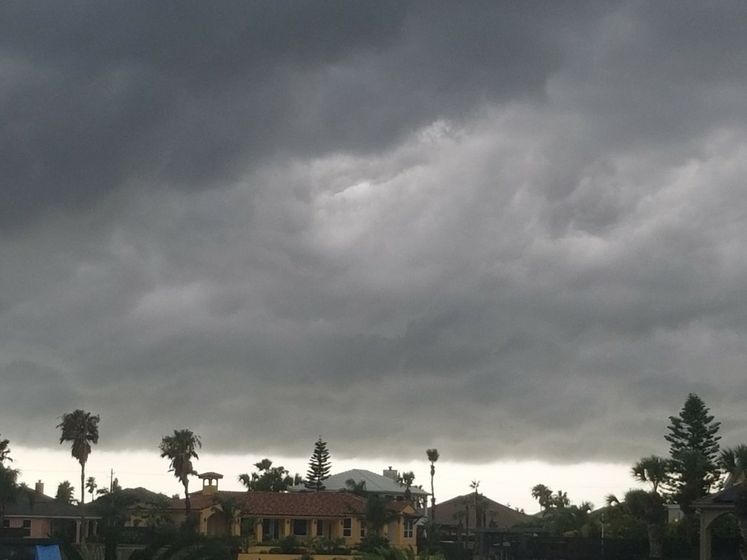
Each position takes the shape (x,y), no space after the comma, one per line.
(48,552)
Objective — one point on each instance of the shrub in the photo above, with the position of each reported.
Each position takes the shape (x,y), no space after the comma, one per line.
(289,545)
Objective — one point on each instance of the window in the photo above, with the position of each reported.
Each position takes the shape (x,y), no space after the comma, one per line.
(6,523)
(300,527)
(319,528)
(347,527)
(408,528)
(270,529)
(26,525)
(363,530)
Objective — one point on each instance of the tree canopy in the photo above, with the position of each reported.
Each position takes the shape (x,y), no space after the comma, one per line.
(319,466)
(65,492)
(653,469)
(693,447)
(560,517)
(8,487)
(433,456)
(180,448)
(5,451)
(268,478)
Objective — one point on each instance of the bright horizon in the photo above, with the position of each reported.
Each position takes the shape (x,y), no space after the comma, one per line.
(507,482)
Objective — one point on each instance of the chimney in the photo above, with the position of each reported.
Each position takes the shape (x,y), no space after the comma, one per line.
(210,482)
(391,473)
(39,487)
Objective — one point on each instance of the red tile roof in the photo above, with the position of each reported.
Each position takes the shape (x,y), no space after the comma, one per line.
(281,504)
(303,504)
(198,500)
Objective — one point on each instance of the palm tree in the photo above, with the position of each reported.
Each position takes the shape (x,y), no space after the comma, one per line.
(649,508)
(432,455)
(653,469)
(406,479)
(65,493)
(475,484)
(459,518)
(4,451)
(465,501)
(231,511)
(734,461)
(561,500)
(378,514)
(82,429)
(91,486)
(8,488)
(180,448)
(356,487)
(543,495)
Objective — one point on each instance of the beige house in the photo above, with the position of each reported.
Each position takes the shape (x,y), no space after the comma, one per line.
(268,517)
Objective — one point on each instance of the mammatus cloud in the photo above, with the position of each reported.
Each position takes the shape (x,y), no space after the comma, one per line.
(504,232)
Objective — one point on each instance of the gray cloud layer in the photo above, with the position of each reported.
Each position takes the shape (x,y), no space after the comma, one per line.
(505,230)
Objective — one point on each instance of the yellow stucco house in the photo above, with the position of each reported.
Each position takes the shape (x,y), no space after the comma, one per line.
(268,517)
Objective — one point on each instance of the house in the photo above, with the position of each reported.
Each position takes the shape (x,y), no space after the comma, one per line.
(712,507)
(269,517)
(384,485)
(34,515)
(464,514)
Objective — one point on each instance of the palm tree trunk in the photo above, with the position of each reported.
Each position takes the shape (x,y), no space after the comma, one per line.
(82,502)
(187,504)
(466,525)
(433,494)
(655,541)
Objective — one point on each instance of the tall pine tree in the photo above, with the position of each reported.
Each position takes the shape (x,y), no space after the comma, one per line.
(694,432)
(693,446)
(319,467)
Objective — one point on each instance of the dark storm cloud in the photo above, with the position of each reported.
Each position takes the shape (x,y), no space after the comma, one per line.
(507,230)
(104,96)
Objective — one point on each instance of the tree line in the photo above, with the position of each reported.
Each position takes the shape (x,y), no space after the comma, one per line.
(695,465)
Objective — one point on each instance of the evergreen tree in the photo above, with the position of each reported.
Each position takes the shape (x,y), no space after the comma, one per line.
(693,446)
(319,467)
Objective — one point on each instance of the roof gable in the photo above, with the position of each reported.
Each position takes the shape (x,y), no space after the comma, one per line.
(35,504)
(496,514)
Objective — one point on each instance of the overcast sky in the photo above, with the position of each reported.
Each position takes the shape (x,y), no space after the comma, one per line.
(507,230)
